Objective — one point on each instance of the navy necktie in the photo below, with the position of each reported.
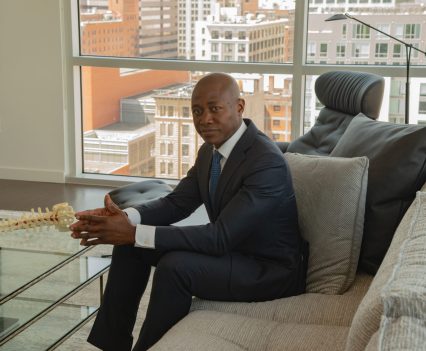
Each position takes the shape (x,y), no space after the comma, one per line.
(214,173)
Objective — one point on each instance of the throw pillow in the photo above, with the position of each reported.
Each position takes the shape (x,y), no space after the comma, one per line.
(397,155)
(330,196)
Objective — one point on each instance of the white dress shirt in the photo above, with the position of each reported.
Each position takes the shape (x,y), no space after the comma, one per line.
(145,234)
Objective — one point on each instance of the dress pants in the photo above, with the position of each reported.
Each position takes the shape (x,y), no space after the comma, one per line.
(179,275)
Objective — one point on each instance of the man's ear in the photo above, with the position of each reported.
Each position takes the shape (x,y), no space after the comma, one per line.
(241,104)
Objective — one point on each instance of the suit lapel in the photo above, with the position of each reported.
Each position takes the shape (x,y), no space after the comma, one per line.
(236,158)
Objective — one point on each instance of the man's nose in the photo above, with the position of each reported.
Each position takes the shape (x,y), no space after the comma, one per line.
(206,117)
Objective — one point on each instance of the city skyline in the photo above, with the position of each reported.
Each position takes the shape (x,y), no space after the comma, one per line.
(246,31)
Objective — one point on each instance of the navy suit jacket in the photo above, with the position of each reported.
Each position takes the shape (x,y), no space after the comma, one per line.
(253,221)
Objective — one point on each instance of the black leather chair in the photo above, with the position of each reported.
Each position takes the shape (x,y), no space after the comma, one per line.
(344,95)
(140,192)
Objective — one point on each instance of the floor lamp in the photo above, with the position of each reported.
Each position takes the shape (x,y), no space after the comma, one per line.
(408,48)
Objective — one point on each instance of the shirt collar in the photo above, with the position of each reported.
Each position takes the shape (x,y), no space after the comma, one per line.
(227,147)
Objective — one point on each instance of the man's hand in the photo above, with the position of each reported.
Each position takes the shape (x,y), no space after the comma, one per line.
(107,225)
(104,211)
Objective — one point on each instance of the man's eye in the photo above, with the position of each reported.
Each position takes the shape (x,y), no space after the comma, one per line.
(196,112)
(215,108)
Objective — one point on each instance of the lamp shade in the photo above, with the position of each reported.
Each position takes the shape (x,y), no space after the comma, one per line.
(337,17)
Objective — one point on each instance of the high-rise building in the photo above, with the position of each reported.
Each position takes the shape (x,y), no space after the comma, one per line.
(158,29)
(176,141)
(113,32)
(189,12)
(242,39)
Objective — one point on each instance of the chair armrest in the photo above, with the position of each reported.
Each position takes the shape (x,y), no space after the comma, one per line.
(140,192)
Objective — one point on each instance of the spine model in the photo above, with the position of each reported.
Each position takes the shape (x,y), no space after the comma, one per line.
(61,216)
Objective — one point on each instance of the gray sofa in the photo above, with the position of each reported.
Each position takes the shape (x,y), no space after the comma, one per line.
(385,312)
(344,308)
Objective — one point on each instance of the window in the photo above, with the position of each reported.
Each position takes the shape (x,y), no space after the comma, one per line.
(359,31)
(170,149)
(228,48)
(170,129)
(397,50)
(384,28)
(170,111)
(151,98)
(185,130)
(381,50)
(162,129)
(360,50)
(340,50)
(407,31)
(323,50)
(344,30)
(185,111)
(312,48)
(185,150)
(412,31)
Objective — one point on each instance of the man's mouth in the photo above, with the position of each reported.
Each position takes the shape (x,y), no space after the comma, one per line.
(208,131)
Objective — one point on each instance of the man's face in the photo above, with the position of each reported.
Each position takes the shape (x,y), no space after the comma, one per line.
(216,112)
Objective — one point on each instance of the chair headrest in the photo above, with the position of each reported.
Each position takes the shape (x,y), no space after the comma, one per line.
(351,92)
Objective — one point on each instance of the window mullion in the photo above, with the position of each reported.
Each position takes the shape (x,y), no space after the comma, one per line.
(299,54)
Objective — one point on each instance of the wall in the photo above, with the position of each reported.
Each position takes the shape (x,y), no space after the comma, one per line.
(32,107)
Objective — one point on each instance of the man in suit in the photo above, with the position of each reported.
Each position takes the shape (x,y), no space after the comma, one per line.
(250,251)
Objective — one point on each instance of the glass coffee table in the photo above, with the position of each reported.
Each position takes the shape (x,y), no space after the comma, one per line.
(47,287)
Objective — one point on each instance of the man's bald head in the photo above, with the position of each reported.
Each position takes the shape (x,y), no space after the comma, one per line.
(223,80)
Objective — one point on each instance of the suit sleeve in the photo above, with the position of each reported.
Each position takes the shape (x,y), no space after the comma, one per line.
(174,207)
(263,187)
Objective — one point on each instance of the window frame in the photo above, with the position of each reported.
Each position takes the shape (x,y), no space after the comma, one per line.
(299,69)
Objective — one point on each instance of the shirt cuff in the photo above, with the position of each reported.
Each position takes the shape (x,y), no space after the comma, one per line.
(145,236)
(133,214)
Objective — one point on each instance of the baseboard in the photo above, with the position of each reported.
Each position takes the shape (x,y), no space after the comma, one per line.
(31,174)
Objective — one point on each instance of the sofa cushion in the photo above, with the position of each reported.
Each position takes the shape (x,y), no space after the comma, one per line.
(309,308)
(367,317)
(208,330)
(330,195)
(397,155)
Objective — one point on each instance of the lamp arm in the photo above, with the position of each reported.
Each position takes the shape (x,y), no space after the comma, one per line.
(388,35)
